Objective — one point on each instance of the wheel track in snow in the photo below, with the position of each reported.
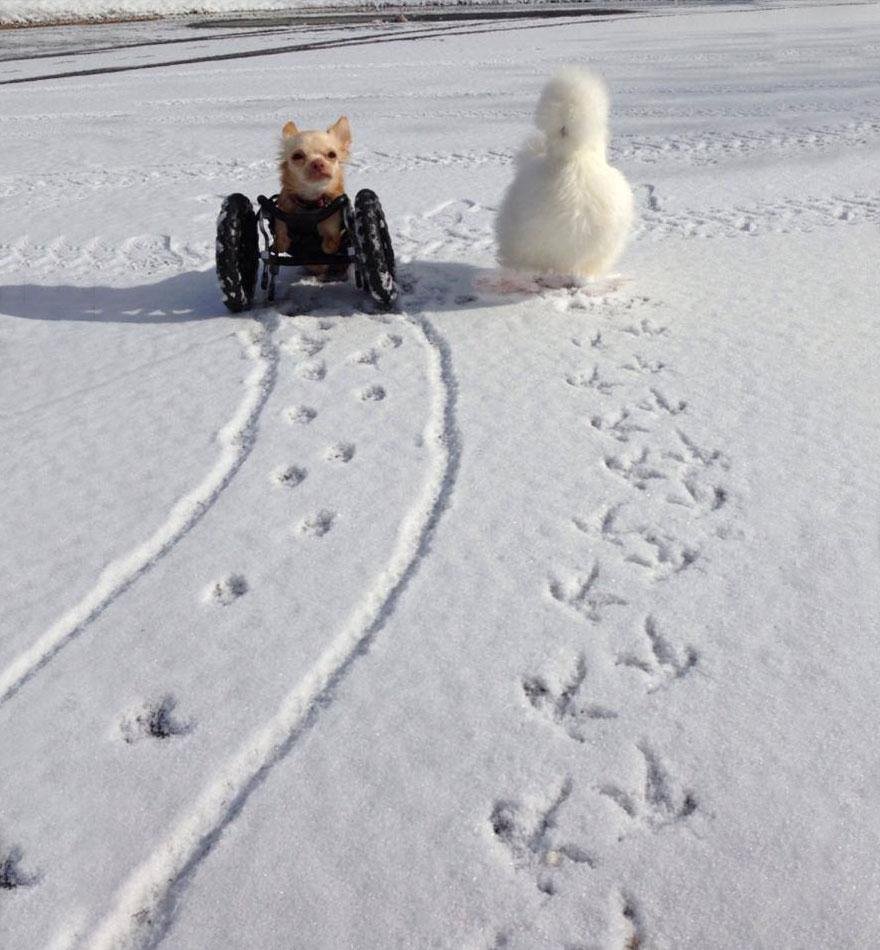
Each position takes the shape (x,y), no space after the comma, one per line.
(146,902)
(204,72)
(399,35)
(237,438)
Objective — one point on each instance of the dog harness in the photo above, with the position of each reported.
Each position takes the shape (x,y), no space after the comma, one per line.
(304,221)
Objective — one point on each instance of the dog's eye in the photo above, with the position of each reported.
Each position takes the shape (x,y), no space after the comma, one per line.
(331,154)
(297,156)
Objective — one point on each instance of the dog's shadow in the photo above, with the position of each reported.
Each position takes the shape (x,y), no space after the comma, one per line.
(195,295)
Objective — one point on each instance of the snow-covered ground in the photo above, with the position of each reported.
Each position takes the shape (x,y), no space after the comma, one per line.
(53,11)
(542,621)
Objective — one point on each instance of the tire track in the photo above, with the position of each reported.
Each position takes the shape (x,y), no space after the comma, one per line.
(146,903)
(237,439)
(392,36)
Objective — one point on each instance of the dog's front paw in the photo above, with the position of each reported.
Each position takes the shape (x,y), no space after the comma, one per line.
(330,245)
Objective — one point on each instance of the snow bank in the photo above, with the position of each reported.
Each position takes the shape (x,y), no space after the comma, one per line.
(30,12)
(47,11)
(54,11)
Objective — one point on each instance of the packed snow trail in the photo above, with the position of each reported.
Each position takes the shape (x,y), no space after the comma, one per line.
(145,903)
(308,351)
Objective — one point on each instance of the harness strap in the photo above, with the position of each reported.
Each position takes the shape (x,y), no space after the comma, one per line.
(305,218)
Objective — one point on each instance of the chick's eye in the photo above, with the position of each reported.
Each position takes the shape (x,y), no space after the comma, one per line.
(331,155)
(297,157)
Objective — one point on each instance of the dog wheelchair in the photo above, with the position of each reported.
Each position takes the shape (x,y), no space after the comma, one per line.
(365,251)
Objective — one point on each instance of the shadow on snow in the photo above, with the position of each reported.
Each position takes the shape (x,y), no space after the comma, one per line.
(195,295)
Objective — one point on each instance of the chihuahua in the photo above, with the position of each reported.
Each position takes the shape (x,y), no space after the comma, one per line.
(311,163)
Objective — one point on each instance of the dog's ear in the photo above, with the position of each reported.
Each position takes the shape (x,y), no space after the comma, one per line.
(342,131)
(289,130)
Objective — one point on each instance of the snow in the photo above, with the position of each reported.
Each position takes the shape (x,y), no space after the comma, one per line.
(52,11)
(536,619)
(48,11)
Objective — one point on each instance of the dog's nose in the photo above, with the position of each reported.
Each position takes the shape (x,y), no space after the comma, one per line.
(318,165)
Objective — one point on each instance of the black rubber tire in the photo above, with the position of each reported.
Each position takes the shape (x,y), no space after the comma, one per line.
(375,253)
(238,252)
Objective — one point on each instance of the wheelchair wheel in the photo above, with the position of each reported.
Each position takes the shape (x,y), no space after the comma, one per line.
(375,253)
(238,252)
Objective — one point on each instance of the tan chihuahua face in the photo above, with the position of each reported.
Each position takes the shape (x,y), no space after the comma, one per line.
(311,162)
